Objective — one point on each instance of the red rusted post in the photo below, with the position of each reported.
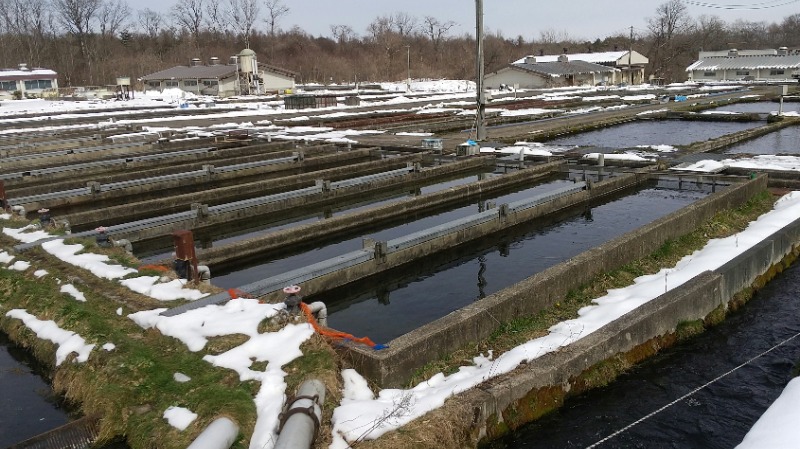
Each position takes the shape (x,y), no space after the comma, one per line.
(184,252)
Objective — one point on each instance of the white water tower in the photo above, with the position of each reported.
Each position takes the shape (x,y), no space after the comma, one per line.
(248,66)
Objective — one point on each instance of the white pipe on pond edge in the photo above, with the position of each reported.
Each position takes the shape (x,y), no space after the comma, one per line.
(220,434)
(320,311)
(300,421)
(19,210)
(204,273)
(123,243)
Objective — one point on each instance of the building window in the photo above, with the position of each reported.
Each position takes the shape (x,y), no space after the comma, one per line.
(776,72)
(742,72)
(38,84)
(190,83)
(154,84)
(709,73)
(8,85)
(210,83)
(171,83)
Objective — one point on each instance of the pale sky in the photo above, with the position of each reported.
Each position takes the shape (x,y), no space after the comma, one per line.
(580,19)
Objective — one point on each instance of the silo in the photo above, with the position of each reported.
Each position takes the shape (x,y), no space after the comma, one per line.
(247,61)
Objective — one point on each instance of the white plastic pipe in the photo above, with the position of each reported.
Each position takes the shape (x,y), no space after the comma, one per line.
(220,434)
(302,417)
(123,243)
(19,210)
(320,311)
(204,273)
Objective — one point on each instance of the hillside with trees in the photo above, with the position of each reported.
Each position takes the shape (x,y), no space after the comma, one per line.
(91,42)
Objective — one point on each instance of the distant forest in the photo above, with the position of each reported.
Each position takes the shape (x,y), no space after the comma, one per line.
(91,42)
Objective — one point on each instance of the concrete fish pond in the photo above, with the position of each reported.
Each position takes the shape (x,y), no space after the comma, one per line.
(475,293)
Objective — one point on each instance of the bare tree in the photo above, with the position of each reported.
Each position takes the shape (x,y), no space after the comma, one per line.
(215,17)
(275,11)
(436,31)
(242,15)
(77,16)
(112,15)
(711,33)
(404,24)
(342,33)
(670,33)
(150,22)
(188,14)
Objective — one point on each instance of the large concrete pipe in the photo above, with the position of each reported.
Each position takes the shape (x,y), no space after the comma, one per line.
(220,434)
(300,421)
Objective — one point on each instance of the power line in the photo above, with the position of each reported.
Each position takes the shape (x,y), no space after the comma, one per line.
(745,6)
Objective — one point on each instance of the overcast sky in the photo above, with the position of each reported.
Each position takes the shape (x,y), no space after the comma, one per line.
(580,19)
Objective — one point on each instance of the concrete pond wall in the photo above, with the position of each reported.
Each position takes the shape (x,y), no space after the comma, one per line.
(392,367)
(500,405)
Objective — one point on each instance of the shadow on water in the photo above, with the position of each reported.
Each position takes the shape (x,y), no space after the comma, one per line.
(391,304)
(716,417)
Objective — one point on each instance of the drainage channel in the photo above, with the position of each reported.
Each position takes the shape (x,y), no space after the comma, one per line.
(391,304)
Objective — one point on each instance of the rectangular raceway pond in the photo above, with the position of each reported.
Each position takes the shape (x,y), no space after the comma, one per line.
(160,249)
(758,107)
(391,304)
(785,141)
(654,132)
(263,269)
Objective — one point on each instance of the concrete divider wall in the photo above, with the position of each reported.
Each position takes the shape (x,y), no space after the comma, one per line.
(694,300)
(181,202)
(393,366)
(291,237)
(219,180)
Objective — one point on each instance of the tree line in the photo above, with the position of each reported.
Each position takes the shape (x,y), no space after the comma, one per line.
(91,42)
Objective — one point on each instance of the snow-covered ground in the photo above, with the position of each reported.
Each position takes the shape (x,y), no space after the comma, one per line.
(362,412)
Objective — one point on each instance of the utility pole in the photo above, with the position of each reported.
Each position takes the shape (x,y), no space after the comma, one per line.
(630,53)
(481,110)
(408,67)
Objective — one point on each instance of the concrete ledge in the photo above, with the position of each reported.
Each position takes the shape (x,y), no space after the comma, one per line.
(523,395)
(393,366)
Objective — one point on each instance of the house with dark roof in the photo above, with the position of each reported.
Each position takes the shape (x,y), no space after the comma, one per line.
(530,73)
(745,65)
(29,82)
(630,62)
(242,75)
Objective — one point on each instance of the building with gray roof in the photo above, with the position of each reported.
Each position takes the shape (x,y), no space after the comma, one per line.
(746,65)
(564,72)
(241,75)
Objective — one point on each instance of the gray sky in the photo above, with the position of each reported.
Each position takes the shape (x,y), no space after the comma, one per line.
(580,19)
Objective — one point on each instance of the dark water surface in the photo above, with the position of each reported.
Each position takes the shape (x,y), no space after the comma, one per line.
(28,406)
(394,303)
(660,132)
(716,417)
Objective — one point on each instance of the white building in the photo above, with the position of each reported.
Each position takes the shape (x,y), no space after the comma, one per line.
(28,82)
(240,76)
(631,64)
(745,65)
(531,73)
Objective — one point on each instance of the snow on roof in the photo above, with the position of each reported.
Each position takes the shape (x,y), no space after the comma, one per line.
(597,58)
(564,68)
(193,72)
(746,63)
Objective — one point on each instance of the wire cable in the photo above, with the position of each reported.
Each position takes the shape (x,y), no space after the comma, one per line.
(651,414)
